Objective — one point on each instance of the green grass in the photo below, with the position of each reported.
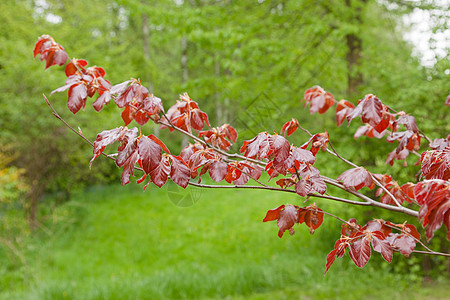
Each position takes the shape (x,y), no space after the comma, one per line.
(123,243)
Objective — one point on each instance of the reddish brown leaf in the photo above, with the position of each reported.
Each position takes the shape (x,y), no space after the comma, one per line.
(149,153)
(104,139)
(289,127)
(311,216)
(435,164)
(273,214)
(180,173)
(218,170)
(318,141)
(128,167)
(360,251)
(52,52)
(127,147)
(330,260)
(161,172)
(382,246)
(258,147)
(350,229)
(433,197)
(287,219)
(408,121)
(280,146)
(357,178)
(343,109)
(303,188)
(286,182)
(320,100)
(159,142)
(372,110)
(77,98)
(403,243)
(74,65)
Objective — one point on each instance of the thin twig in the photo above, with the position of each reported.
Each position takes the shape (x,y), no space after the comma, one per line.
(368,201)
(334,152)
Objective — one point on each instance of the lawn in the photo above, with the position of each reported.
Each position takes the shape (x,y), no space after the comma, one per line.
(122,243)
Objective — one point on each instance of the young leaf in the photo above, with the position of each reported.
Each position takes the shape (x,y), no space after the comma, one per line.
(160,173)
(381,245)
(218,170)
(403,243)
(149,153)
(128,167)
(180,172)
(273,214)
(433,197)
(320,100)
(312,216)
(286,216)
(372,110)
(360,251)
(357,178)
(343,109)
(104,139)
(289,127)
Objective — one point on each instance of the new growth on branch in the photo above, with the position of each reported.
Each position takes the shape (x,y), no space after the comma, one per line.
(428,199)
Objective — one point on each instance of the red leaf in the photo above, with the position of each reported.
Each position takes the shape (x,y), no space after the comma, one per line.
(218,170)
(348,230)
(180,172)
(403,243)
(343,109)
(382,246)
(319,100)
(280,146)
(287,219)
(433,197)
(372,110)
(128,167)
(311,216)
(360,251)
(303,188)
(338,251)
(258,147)
(77,97)
(127,115)
(104,139)
(159,142)
(408,121)
(127,147)
(286,182)
(435,164)
(330,260)
(318,141)
(149,153)
(273,214)
(356,112)
(289,127)
(357,178)
(103,99)
(233,173)
(74,66)
(51,51)
(160,174)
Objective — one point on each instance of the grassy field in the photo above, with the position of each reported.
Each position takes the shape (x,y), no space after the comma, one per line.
(122,243)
